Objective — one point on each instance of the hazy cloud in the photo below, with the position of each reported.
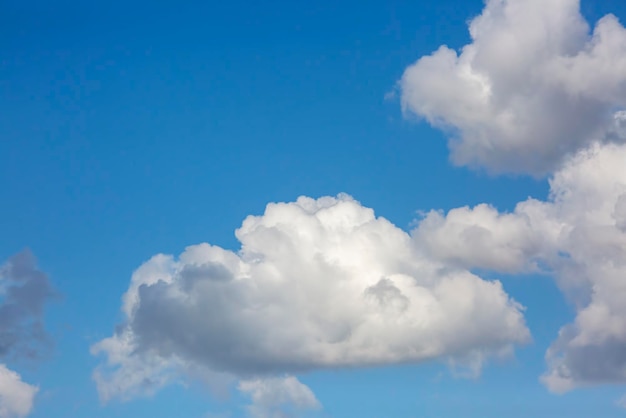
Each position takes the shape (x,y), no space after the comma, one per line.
(24,291)
(325,283)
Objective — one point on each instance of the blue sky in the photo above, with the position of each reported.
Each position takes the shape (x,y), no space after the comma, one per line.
(130,129)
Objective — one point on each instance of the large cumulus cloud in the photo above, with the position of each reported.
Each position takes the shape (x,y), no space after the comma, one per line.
(579,235)
(533,87)
(316,284)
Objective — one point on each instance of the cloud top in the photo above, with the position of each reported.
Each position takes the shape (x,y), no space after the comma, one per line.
(579,236)
(532,88)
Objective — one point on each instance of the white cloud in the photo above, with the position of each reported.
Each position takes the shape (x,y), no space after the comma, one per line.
(16,397)
(317,284)
(579,235)
(531,88)
(278,397)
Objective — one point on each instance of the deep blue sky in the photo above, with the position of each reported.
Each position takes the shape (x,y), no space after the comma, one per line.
(133,128)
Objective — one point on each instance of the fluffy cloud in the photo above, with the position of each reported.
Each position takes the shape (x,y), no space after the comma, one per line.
(16,397)
(316,284)
(533,86)
(579,235)
(24,291)
(278,397)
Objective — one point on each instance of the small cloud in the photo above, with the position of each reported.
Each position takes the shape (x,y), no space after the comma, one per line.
(16,397)
(24,292)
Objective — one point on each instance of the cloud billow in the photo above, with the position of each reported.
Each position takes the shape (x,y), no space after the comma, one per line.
(579,236)
(537,92)
(316,284)
(278,397)
(531,89)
